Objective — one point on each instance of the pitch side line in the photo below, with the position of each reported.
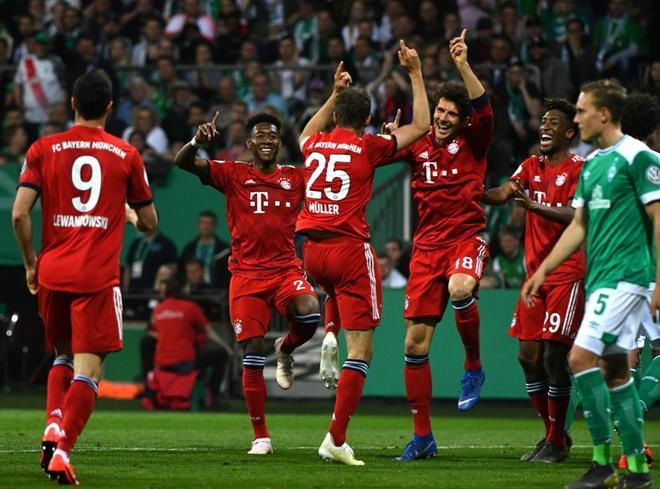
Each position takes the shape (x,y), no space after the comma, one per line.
(201,449)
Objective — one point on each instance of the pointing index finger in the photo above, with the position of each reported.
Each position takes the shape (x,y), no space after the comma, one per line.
(398,117)
(215,117)
(463,35)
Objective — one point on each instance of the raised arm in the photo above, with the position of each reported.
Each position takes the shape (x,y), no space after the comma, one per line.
(458,49)
(570,241)
(408,134)
(22,223)
(322,118)
(186,158)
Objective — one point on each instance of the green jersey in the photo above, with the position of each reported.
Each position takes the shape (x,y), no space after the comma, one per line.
(615,185)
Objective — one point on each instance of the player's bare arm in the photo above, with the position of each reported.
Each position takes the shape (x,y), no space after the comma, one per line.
(410,133)
(562,215)
(570,241)
(458,50)
(653,211)
(144,219)
(502,194)
(322,118)
(22,223)
(186,158)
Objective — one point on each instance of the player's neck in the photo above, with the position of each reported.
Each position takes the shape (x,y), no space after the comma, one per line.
(358,132)
(266,168)
(609,137)
(95,123)
(558,157)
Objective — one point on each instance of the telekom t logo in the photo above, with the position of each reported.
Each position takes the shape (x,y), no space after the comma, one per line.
(259,200)
(430,170)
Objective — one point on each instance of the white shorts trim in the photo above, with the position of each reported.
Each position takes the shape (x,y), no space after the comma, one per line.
(369,258)
(116,297)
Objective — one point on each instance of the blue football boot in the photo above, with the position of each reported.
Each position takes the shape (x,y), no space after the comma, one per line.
(419,448)
(470,388)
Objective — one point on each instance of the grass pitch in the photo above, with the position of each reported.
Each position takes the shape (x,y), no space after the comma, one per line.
(127,449)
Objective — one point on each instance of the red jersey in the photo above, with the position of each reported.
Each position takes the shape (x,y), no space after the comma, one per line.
(261,215)
(179,324)
(552,187)
(339,176)
(447,181)
(85,176)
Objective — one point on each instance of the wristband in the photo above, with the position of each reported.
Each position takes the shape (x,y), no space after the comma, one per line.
(194,143)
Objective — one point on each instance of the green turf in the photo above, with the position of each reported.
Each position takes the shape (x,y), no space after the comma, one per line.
(197,450)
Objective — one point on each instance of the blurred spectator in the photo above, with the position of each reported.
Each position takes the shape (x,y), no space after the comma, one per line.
(191,14)
(617,38)
(400,258)
(651,80)
(38,82)
(234,145)
(181,330)
(501,50)
(231,34)
(533,30)
(49,128)
(430,27)
(227,96)
(350,31)
(195,284)
(165,80)
(554,75)
(210,250)
(23,37)
(510,24)
(290,83)
(176,123)
(262,95)
(137,97)
(60,113)
(156,165)
(204,78)
(120,54)
(555,15)
(132,22)
(480,47)
(145,121)
(337,53)
(451,23)
(147,51)
(366,61)
(65,39)
(17,144)
(87,58)
(470,11)
(579,54)
(146,254)
(326,28)
(306,31)
(392,278)
(509,266)
(97,15)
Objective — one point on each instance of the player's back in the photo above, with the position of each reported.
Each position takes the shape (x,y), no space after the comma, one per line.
(339,174)
(85,176)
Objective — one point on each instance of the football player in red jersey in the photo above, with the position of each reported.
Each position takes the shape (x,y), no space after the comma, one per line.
(85,176)
(340,167)
(448,167)
(263,202)
(545,185)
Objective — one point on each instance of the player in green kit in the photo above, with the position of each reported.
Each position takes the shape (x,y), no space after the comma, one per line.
(617,212)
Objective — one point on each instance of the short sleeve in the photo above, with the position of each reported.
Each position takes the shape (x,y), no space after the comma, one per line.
(306,144)
(404,154)
(31,169)
(480,130)
(574,178)
(139,193)
(220,174)
(521,174)
(578,196)
(645,169)
(380,148)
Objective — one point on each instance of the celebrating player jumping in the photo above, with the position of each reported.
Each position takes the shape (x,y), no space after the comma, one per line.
(339,176)
(263,201)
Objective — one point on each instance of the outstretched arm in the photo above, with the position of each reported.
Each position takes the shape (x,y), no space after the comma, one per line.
(22,224)
(408,134)
(562,215)
(458,49)
(186,158)
(322,118)
(502,194)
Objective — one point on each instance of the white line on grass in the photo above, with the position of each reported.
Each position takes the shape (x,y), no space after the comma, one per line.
(202,449)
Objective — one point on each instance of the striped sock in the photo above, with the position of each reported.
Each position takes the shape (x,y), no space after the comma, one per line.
(537,390)
(417,375)
(558,399)
(78,406)
(349,392)
(59,381)
(254,390)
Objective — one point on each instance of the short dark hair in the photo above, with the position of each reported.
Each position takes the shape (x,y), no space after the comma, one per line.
(608,93)
(262,117)
(395,240)
(457,93)
(564,106)
(173,287)
(384,256)
(210,214)
(194,261)
(92,92)
(641,115)
(353,108)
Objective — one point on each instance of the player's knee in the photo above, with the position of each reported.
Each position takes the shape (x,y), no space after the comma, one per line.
(529,359)
(254,345)
(460,289)
(578,361)
(305,306)
(554,359)
(417,342)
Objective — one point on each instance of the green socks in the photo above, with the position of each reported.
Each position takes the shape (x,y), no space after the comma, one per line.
(596,406)
(629,422)
(649,390)
(573,403)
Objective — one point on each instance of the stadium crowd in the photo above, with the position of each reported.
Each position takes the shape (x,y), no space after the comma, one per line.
(173,63)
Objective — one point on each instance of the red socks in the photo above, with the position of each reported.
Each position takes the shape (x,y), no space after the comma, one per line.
(538,393)
(59,381)
(301,329)
(558,399)
(78,406)
(467,323)
(349,392)
(417,375)
(254,390)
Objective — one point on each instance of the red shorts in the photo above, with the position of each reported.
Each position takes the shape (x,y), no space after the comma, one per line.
(347,270)
(556,316)
(251,300)
(91,323)
(427,291)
